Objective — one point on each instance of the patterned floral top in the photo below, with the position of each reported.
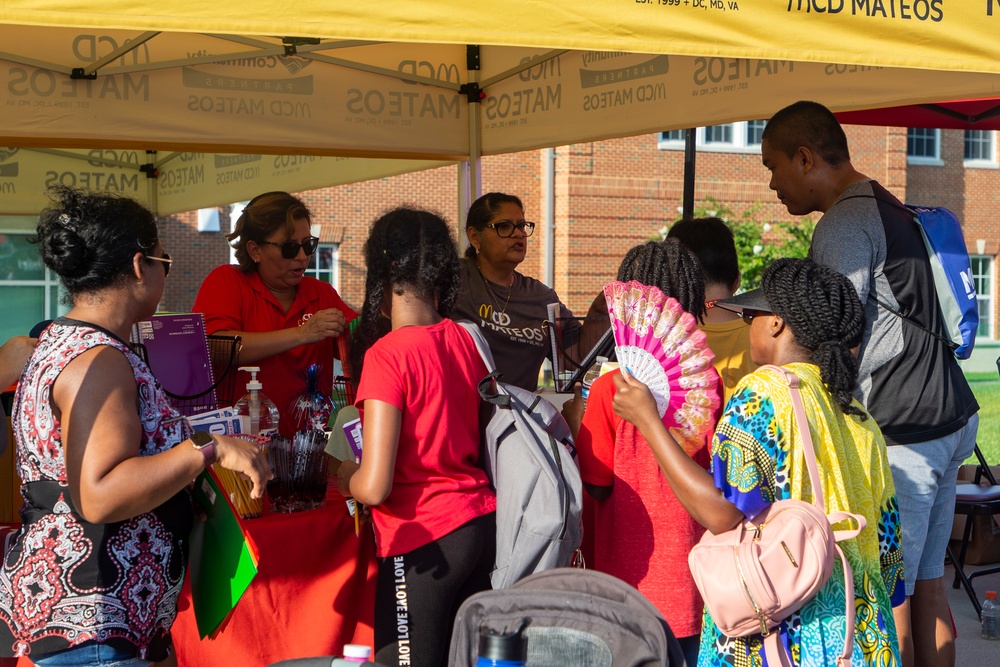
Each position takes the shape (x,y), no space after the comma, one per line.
(757,459)
(66,581)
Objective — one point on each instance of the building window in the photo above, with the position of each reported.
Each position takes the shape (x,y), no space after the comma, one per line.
(30,292)
(982,275)
(730,138)
(323,264)
(923,146)
(980,148)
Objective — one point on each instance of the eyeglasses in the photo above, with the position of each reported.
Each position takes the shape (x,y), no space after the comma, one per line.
(165,259)
(505,228)
(290,249)
(748,314)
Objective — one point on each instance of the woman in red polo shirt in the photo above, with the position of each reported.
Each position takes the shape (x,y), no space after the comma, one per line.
(288,321)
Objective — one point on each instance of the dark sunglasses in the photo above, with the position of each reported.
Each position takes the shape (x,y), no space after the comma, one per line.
(748,314)
(505,228)
(290,249)
(165,260)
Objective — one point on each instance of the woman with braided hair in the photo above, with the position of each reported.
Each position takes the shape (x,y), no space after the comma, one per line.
(641,532)
(432,506)
(806,318)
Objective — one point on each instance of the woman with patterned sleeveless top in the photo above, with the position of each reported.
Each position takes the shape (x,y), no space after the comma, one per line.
(94,574)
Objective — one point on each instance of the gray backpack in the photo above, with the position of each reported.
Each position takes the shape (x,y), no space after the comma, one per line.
(577,617)
(527,454)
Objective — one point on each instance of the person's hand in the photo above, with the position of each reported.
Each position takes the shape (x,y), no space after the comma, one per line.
(633,401)
(344,474)
(328,323)
(572,410)
(244,458)
(13,356)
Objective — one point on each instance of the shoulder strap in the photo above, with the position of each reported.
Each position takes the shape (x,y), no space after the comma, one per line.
(872,295)
(807,443)
(481,344)
(772,646)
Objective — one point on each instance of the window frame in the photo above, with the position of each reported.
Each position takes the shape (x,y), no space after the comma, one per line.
(981,163)
(984,292)
(740,132)
(925,160)
(333,271)
(48,283)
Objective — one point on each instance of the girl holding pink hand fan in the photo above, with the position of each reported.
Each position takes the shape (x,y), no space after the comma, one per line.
(642,532)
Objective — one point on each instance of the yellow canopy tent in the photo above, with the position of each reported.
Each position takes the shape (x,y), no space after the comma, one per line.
(220,98)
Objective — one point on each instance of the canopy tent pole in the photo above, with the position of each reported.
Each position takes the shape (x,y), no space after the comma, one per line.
(549,216)
(690,151)
(470,175)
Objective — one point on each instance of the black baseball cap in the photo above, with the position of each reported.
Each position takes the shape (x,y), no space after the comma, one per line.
(752,300)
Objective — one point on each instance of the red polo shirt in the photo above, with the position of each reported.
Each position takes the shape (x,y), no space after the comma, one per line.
(232,300)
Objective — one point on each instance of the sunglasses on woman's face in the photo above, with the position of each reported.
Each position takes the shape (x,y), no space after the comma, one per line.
(165,260)
(748,314)
(290,249)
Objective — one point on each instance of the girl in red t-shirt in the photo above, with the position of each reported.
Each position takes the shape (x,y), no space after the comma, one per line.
(432,505)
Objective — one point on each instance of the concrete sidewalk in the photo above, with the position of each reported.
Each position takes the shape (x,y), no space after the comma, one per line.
(970,648)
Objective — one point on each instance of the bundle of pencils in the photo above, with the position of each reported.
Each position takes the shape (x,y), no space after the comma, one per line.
(239,493)
(238,488)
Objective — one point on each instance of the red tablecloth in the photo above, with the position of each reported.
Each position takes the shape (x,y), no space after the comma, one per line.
(314,592)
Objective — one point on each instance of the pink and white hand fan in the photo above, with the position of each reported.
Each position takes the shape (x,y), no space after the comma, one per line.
(659,344)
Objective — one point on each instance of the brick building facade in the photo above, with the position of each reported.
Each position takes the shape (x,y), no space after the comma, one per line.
(609,196)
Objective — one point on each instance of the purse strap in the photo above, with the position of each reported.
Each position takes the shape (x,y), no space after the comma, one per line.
(807,443)
(774,650)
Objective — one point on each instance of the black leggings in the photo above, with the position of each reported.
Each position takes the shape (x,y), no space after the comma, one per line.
(418,593)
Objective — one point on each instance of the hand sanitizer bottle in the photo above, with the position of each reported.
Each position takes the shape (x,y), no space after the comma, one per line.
(258,414)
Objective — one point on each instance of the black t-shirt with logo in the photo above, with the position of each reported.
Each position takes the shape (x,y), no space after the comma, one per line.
(514,328)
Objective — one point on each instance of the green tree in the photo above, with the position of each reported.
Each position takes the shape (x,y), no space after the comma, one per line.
(758,243)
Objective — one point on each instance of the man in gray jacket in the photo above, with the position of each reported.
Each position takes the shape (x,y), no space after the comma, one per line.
(909,380)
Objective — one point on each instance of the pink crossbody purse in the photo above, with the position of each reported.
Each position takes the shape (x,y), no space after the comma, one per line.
(754,576)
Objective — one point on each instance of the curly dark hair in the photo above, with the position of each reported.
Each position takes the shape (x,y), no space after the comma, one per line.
(413,249)
(671,267)
(823,310)
(265,214)
(484,209)
(89,238)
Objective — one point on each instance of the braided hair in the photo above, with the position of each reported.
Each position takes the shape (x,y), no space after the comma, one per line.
(407,249)
(822,309)
(671,267)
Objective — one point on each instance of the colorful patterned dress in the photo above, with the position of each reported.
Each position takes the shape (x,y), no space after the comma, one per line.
(66,581)
(757,459)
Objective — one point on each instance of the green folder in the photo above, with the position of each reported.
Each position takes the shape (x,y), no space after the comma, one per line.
(223,557)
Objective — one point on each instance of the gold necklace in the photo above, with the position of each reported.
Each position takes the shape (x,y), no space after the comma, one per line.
(493,297)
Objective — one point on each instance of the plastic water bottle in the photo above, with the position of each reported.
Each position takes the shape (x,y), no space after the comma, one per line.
(991,616)
(258,413)
(592,374)
(503,649)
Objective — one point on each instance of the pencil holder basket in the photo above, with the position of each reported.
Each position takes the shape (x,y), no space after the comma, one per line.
(300,469)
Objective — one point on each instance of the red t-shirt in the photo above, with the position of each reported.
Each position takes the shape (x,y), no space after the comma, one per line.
(232,300)
(430,374)
(642,533)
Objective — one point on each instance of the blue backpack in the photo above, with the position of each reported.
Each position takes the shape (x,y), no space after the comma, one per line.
(956,290)
(952,271)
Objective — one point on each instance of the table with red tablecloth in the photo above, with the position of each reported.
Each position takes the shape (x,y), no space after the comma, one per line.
(313,593)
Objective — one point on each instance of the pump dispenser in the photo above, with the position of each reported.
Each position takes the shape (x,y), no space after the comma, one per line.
(258,413)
